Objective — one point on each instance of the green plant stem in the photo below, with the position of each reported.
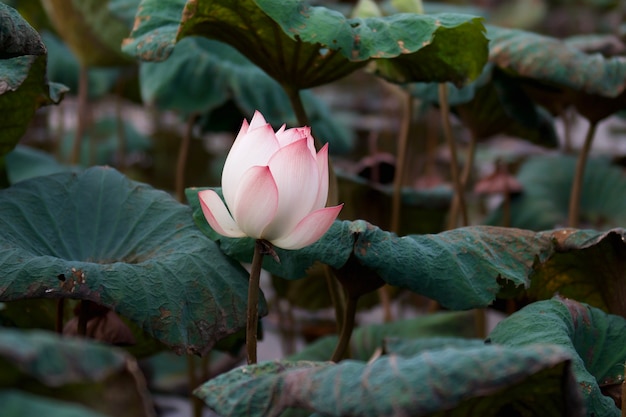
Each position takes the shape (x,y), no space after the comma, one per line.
(60,314)
(335,297)
(403,140)
(577,185)
(83,317)
(182,158)
(253,301)
(196,404)
(83,102)
(346,329)
(298,108)
(454,167)
(467,170)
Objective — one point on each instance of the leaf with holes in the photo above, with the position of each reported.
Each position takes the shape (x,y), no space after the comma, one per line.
(596,342)
(303,46)
(100,237)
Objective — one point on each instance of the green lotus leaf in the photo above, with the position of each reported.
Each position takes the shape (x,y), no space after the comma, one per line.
(302,46)
(17,37)
(477,380)
(100,237)
(553,61)
(23,89)
(461,269)
(557,75)
(595,342)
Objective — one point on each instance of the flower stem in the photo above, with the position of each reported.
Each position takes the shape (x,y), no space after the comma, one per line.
(83,317)
(454,168)
(335,296)
(467,170)
(253,300)
(60,314)
(346,329)
(577,185)
(403,140)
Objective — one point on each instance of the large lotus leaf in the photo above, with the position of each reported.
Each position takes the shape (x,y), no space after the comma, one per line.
(98,376)
(555,62)
(91,31)
(228,75)
(493,104)
(23,89)
(98,236)
(63,67)
(17,403)
(366,340)
(586,265)
(24,162)
(596,341)
(547,182)
(461,269)
(302,46)
(485,381)
(560,75)
(17,37)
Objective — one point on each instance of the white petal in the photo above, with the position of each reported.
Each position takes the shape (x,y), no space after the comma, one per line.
(217,214)
(257,120)
(310,229)
(256,147)
(256,201)
(289,136)
(322,166)
(295,171)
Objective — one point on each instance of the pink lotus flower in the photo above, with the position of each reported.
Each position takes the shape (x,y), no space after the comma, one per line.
(275,186)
